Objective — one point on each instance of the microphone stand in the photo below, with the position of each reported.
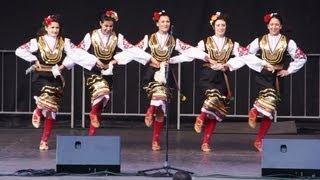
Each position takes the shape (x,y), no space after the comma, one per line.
(165,170)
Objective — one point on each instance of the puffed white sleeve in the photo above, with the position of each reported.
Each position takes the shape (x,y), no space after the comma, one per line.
(235,62)
(85,43)
(253,47)
(131,52)
(78,56)
(25,51)
(188,53)
(242,57)
(298,56)
(247,56)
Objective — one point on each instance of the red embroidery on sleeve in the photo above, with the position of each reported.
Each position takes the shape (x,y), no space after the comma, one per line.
(243,50)
(26,46)
(140,44)
(299,54)
(72,45)
(81,45)
(126,44)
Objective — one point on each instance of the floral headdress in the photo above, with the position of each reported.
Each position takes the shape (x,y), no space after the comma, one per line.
(214,17)
(112,14)
(156,15)
(48,20)
(268,17)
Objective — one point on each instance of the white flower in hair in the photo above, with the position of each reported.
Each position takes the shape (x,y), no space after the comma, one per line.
(273,14)
(214,17)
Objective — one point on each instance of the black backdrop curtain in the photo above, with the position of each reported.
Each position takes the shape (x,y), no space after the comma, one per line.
(20,20)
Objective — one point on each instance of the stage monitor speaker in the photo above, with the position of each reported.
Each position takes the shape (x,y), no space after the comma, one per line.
(291,158)
(88,154)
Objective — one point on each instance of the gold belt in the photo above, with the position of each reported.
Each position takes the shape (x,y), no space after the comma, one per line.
(278,67)
(209,64)
(44,68)
(153,65)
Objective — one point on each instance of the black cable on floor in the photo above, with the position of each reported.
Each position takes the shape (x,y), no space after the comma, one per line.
(52,172)
(272,176)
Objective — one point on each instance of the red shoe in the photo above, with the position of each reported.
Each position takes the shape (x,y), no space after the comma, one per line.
(252,121)
(156,146)
(258,145)
(43,146)
(205,147)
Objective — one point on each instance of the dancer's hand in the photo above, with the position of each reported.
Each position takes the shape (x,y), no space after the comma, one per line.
(61,68)
(207,59)
(37,64)
(100,64)
(283,73)
(225,67)
(56,71)
(217,66)
(269,67)
(155,62)
(113,62)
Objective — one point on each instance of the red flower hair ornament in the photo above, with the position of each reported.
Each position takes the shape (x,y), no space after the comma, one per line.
(156,15)
(112,14)
(47,20)
(268,17)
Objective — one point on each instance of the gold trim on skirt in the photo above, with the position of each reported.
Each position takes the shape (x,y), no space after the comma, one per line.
(97,86)
(157,91)
(267,99)
(50,98)
(216,102)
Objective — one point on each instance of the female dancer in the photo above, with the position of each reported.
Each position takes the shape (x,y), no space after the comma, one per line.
(102,43)
(214,78)
(272,47)
(47,50)
(161,45)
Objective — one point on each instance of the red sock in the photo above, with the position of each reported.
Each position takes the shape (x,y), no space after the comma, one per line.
(253,113)
(151,109)
(254,110)
(48,122)
(92,130)
(95,111)
(264,127)
(38,111)
(97,108)
(157,128)
(202,116)
(208,130)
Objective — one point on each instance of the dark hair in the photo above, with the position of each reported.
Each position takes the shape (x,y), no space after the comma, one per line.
(104,17)
(277,16)
(181,175)
(223,17)
(46,21)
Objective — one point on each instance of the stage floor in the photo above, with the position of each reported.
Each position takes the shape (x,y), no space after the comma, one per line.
(233,155)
